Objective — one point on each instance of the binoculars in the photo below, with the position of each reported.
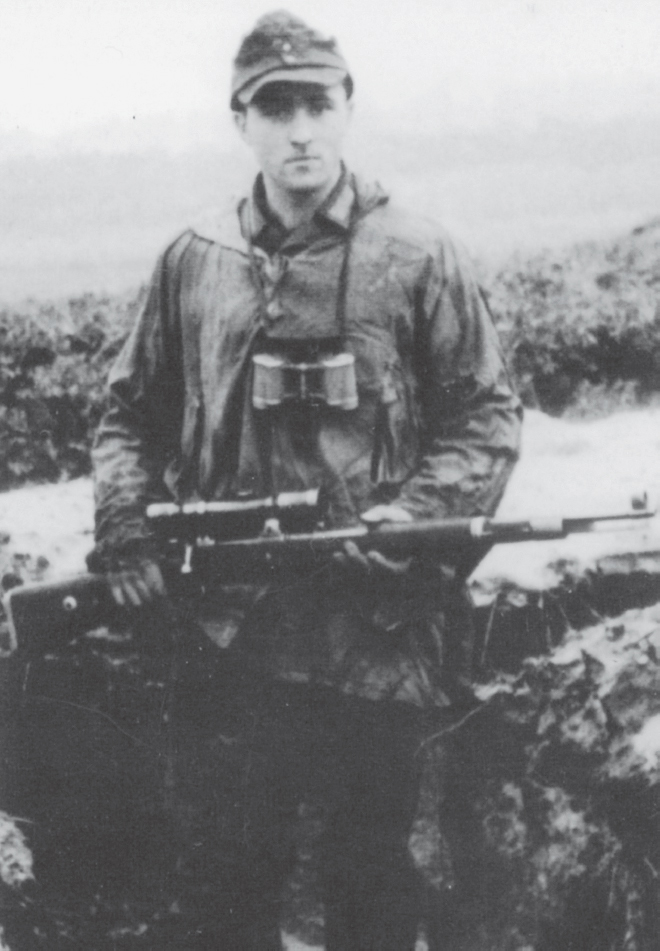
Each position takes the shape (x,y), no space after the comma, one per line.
(327,380)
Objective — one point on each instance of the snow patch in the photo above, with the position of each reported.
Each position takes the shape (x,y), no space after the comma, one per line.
(646,743)
(567,468)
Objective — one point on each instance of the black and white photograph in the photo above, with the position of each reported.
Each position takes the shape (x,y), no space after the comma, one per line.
(329,474)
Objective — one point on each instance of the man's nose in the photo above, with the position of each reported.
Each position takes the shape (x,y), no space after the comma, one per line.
(300,127)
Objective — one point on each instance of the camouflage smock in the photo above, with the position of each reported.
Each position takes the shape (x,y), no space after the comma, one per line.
(436,429)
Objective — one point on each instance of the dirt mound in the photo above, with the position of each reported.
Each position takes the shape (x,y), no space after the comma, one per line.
(562,763)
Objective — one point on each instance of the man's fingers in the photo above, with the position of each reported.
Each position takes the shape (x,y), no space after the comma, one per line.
(154,579)
(392,567)
(137,587)
(117,590)
(143,590)
(385,513)
(131,590)
(351,558)
(355,556)
(371,561)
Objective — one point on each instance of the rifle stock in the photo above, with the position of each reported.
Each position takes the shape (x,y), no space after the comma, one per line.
(43,614)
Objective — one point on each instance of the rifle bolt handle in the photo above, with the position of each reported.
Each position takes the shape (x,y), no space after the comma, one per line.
(69,603)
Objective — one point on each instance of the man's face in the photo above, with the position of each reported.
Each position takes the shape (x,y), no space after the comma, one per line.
(296,131)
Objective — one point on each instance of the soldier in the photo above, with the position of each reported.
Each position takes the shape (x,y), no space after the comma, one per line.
(319,693)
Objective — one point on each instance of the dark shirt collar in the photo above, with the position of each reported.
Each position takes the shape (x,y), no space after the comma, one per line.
(266,229)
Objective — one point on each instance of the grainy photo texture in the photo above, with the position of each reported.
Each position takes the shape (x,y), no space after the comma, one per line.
(330,568)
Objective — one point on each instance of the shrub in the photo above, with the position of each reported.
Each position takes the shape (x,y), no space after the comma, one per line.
(581,328)
(586,315)
(54,360)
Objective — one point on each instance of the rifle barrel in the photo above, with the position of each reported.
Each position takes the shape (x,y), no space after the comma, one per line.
(39,614)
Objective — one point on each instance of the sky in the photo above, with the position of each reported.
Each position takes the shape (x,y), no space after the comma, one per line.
(67,65)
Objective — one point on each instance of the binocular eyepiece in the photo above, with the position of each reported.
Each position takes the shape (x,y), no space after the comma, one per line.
(326,378)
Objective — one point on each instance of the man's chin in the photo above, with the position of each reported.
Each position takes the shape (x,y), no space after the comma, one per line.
(306,181)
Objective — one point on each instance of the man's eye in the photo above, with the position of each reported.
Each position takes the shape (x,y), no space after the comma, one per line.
(282,108)
(316,107)
(277,111)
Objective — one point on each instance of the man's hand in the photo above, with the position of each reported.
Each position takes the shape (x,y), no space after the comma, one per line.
(373,562)
(138,586)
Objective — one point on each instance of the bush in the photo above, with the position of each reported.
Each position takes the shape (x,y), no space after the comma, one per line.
(54,361)
(581,328)
(589,315)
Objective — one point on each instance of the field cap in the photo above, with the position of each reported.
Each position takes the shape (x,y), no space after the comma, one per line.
(282,48)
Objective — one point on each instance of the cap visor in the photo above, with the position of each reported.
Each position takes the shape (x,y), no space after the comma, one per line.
(319,75)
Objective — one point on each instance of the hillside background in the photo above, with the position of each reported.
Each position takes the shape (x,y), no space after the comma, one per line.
(561,216)
(89,212)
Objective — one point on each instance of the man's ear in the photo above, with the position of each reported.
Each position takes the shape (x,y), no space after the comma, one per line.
(240,119)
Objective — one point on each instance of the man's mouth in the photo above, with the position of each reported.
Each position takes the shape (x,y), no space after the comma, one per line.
(296,159)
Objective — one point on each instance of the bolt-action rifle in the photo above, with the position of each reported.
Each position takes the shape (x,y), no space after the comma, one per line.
(266,541)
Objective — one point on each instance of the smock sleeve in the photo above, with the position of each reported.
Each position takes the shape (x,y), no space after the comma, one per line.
(471,417)
(139,431)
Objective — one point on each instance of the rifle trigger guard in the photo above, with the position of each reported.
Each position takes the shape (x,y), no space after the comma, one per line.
(186,567)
